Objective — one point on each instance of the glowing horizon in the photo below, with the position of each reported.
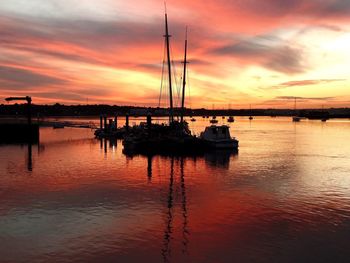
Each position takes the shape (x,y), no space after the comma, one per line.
(110,52)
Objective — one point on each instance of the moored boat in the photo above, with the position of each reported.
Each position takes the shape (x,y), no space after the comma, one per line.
(296,118)
(165,138)
(218,136)
(230,119)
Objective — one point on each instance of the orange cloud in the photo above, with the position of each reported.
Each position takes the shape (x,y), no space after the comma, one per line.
(233,46)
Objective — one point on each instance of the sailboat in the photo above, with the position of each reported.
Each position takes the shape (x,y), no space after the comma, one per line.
(325,115)
(175,136)
(295,117)
(250,107)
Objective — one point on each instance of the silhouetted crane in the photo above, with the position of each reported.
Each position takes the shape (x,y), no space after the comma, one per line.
(29,101)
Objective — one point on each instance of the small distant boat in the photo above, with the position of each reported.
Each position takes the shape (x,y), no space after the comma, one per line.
(230,119)
(193,119)
(296,119)
(214,117)
(250,109)
(58,125)
(213,121)
(219,137)
(223,117)
(324,119)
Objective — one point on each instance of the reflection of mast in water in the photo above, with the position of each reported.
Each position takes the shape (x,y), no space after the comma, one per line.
(166,250)
(185,231)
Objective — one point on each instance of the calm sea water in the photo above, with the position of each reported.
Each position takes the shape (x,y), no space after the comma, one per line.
(285,197)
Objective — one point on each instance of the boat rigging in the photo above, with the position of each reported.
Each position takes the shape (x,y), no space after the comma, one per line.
(167,40)
(184,81)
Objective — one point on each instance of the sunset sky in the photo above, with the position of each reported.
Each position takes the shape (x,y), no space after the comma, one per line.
(241,52)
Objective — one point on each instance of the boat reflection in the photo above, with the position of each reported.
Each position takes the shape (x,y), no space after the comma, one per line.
(216,158)
(166,249)
(169,213)
(185,232)
(219,158)
(176,221)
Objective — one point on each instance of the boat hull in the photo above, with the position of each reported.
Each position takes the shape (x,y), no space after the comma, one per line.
(164,145)
(223,144)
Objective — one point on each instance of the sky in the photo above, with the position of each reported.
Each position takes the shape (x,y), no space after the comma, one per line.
(241,52)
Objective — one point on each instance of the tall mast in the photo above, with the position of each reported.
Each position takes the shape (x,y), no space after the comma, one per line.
(184,81)
(167,36)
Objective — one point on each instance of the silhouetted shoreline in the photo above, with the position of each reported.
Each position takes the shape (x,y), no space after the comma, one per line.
(58,110)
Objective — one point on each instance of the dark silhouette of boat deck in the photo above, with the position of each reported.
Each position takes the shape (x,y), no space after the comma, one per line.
(149,138)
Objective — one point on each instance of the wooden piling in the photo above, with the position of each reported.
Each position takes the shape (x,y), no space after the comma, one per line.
(149,120)
(127,122)
(105,122)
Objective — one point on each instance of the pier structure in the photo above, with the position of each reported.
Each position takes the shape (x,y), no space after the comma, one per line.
(17,132)
(110,129)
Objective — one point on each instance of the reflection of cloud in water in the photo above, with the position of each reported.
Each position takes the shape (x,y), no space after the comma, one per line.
(281,194)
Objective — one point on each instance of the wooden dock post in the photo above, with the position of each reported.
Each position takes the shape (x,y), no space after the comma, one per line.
(149,121)
(105,122)
(127,121)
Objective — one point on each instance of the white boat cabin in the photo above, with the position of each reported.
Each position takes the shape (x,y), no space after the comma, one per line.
(214,132)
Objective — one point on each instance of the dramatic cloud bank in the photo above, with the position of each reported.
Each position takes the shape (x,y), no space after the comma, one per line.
(241,52)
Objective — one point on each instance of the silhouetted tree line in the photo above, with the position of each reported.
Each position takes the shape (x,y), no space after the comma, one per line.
(96,110)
